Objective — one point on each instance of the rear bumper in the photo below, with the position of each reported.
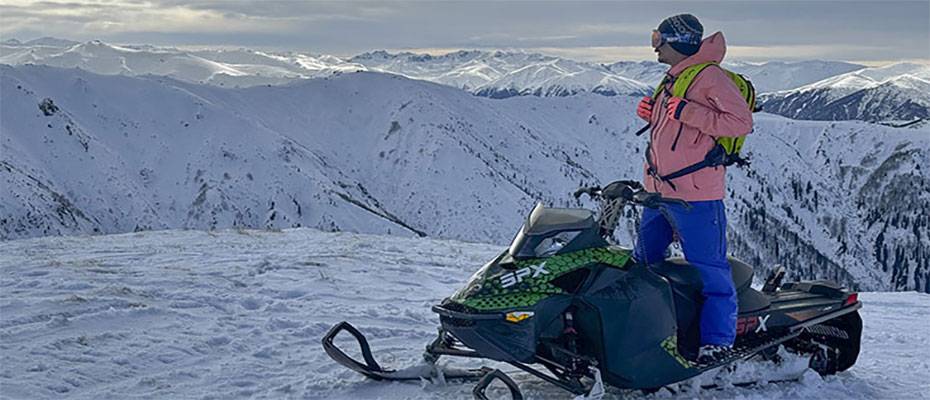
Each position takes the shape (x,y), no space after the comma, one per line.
(828,316)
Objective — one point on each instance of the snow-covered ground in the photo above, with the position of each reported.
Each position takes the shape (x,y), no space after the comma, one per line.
(240,313)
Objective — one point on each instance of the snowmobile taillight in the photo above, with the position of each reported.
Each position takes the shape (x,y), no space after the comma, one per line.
(851,299)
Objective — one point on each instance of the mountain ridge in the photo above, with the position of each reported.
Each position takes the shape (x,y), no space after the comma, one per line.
(898,91)
(493,73)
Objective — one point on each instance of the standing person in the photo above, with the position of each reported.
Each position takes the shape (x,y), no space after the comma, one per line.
(684,131)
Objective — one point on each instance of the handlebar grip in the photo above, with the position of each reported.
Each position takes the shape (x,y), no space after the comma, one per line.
(654,200)
(590,191)
(631,191)
(635,185)
(622,190)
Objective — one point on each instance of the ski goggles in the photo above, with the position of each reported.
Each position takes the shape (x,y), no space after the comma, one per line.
(659,38)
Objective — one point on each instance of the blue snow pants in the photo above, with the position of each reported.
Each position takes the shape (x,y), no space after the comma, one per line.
(702,233)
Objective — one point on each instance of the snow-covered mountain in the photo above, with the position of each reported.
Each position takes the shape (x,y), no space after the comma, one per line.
(497,74)
(773,76)
(492,74)
(462,69)
(378,153)
(893,92)
(502,74)
(560,78)
(235,68)
(765,76)
(238,314)
(824,90)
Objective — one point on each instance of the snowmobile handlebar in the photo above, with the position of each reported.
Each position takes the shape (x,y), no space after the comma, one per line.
(629,191)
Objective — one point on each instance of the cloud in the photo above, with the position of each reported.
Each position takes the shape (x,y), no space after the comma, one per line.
(592,30)
(106,18)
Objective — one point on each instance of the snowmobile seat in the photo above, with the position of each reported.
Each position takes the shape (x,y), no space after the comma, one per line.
(678,272)
(686,282)
(750,300)
(545,220)
(742,274)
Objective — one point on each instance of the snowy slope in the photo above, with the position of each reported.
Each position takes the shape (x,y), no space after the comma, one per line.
(160,154)
(379,153)
(135,154)
(239,314)
(836,195)
(894,92)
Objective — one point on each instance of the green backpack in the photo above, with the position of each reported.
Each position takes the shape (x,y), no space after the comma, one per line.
(727,150)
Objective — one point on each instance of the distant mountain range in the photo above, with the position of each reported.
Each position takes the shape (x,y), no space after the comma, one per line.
(501,74)
(234,68)
(819,90)
(894,92)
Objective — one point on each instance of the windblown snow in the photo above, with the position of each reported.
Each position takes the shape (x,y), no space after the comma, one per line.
(240,313)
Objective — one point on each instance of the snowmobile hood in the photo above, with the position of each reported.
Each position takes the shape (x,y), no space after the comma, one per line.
(507,284)
(713,48)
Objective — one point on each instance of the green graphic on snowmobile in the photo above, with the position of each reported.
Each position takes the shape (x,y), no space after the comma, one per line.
(523,283)
(670,344)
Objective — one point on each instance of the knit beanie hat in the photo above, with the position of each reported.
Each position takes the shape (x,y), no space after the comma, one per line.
(683,32)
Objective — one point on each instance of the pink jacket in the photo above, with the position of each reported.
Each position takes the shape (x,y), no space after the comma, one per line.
(714,107)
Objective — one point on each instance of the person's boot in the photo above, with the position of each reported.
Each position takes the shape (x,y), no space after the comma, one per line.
(712,353)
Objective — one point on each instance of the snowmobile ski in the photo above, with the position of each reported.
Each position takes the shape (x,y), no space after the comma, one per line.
(371,369)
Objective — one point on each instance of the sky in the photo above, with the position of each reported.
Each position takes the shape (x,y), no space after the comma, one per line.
(872,32)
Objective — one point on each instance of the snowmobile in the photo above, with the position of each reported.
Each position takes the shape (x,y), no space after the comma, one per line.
(565,305)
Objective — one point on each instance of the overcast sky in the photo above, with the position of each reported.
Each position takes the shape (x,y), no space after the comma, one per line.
(863,31)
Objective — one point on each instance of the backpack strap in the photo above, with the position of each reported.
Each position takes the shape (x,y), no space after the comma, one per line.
(716,157)
(655,94)
(684,79)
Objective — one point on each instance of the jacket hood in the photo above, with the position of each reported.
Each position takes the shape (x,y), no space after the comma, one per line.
(713,48)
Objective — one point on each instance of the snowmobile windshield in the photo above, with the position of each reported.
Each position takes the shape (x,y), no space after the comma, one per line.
(540,246)
(551,231)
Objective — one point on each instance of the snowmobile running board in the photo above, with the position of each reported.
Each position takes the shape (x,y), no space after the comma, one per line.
(373,370)
(795,331)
